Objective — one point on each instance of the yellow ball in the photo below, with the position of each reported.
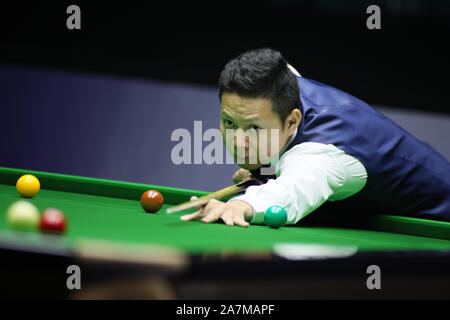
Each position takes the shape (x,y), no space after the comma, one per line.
(28,186)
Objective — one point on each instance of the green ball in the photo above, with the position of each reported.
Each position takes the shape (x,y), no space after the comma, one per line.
(23,215)
(275,217)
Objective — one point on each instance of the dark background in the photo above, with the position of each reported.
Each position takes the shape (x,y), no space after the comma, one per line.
(163,60)
(404,64)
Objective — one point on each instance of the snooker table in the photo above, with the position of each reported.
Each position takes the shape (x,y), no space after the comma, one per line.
(124,252)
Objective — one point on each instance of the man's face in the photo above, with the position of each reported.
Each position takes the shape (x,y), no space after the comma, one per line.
(251,130)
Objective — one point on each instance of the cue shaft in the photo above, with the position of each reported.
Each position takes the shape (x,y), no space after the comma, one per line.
(220,194)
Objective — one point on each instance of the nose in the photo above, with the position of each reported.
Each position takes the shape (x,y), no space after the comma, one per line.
(241,141)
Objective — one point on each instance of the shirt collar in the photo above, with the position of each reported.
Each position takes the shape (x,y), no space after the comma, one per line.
(276,159)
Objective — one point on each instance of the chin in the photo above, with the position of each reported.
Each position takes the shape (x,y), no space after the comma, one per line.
(249,167)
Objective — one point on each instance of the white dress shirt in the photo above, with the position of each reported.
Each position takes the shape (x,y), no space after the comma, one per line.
(308,174)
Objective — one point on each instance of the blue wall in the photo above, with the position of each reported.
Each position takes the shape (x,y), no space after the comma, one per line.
(104,127)
(120,128)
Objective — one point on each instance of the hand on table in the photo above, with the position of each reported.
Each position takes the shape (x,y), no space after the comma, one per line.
(235,212)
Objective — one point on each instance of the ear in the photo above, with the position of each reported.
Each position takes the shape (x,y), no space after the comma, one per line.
(293,121)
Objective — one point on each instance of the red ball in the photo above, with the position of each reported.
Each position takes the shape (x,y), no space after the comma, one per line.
(152,201)
(53,220)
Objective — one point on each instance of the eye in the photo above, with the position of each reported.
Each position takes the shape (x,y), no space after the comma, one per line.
(228,123)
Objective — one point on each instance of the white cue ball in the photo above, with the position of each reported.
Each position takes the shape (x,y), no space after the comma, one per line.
(23,215)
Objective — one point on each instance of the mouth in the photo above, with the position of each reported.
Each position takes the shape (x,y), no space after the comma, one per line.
(245,160)
(242,161)
(238,155)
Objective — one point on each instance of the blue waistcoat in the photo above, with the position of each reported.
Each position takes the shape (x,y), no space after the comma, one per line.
(405,176)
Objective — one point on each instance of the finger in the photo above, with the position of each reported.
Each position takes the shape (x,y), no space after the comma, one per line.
(198,206)
(192,216)
(212,205)
(227,217)
(212,216)
(240,175)
(245,173)
(240,221)
(235,177)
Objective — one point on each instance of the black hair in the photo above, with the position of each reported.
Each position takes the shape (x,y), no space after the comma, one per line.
(262,73)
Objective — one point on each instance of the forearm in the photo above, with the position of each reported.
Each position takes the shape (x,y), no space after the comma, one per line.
(310,175)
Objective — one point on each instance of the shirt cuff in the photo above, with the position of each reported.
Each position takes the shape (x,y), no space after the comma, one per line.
(258,207)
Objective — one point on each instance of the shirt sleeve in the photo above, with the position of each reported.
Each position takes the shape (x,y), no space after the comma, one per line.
(307,175)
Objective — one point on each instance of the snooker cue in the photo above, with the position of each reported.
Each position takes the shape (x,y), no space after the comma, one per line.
(220,194)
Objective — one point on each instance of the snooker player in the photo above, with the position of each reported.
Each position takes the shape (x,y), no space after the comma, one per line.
(333,148)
